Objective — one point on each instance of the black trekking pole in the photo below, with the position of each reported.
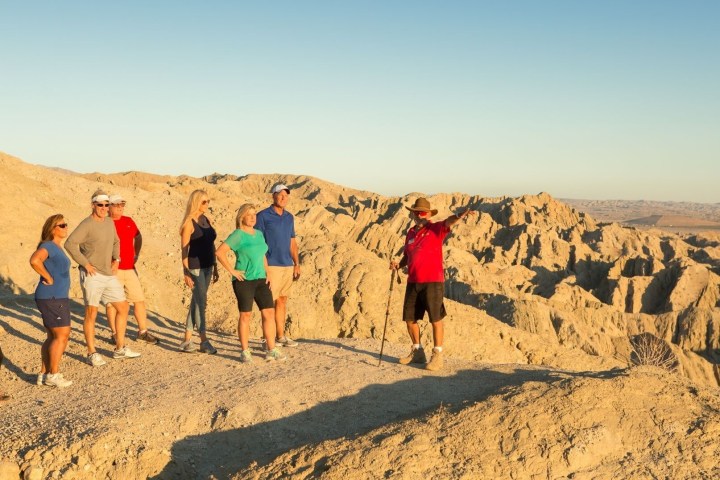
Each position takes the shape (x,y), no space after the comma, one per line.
(387,311)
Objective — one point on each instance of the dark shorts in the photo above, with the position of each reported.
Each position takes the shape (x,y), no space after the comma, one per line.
(55,312)
(424,297)
(249,290)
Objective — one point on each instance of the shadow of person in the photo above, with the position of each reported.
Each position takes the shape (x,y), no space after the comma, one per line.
(229,449)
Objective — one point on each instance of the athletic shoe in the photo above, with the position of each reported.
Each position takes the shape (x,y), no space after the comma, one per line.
(56,380)
(188,347)
(96,360)
(125,352)
(246,356)
(275,354)
(40,379)
(148,337)
(415,356)
(436,362)
(286,342)
(206,347)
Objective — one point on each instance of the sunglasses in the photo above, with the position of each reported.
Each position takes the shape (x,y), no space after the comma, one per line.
(103,205)
(420,214)
(117,204)
(61,225)
(205,202)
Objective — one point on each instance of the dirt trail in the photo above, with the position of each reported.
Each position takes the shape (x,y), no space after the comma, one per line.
(174,415)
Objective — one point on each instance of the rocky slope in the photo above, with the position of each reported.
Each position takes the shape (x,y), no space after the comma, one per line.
(531,263)
(543,302)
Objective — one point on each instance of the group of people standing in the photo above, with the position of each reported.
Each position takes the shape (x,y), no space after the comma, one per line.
(106,246)
(266,264)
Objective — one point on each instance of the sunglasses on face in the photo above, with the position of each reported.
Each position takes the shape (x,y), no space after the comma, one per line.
(62,225)
(205,202)
(420,214)
(118,204)
(102,205)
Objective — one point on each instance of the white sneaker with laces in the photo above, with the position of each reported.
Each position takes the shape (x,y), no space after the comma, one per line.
(125,352)
(56,380)
(95,359)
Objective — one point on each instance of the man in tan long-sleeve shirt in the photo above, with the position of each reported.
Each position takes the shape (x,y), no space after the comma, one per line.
(95,246)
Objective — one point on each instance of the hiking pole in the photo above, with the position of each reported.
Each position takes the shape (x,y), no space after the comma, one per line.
(387,311)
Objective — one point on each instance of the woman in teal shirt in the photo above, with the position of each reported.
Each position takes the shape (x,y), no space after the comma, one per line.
(250,282)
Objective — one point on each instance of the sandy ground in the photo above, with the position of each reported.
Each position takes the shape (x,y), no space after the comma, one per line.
(173,415)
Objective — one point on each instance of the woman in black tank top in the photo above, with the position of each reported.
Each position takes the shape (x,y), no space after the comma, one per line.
(197,240)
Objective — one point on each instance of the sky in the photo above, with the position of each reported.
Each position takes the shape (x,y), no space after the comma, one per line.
(580,99)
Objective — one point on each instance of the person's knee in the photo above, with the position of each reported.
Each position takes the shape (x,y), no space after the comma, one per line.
(91,313)
(122,307)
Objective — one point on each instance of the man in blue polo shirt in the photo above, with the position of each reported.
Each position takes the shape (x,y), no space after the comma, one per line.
(278,226)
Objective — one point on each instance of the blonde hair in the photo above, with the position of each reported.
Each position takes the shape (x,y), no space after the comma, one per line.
(241,213)
(193,205)
(47,230)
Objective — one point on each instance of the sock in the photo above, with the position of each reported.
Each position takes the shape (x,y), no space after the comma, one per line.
(416,346)
(438,349)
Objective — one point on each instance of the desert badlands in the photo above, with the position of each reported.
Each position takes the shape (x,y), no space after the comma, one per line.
(541,381)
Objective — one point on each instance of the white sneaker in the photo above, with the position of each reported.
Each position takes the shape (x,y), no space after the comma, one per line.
(40,379)
(125,352)
(95,359)
(56,380)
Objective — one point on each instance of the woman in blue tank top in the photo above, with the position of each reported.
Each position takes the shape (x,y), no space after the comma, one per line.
(51,298)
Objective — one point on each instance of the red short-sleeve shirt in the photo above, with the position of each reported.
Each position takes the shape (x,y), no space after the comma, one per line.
(126,230)
(423,248)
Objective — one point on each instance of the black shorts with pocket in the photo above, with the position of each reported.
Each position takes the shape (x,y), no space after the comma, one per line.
(247,291)
(424,297)
(55,312)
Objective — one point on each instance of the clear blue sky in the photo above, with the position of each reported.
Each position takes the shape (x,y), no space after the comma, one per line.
(582,99)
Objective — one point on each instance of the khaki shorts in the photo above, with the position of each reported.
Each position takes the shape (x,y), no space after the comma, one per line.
(131,283)
(281,281)
(100,288)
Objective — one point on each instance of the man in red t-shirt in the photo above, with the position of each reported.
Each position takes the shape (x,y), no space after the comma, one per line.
(426,276)
(130,245)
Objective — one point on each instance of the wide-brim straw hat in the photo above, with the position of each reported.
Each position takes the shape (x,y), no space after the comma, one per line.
(422,205)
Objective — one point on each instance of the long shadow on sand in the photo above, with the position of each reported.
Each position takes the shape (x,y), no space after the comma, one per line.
(224,453)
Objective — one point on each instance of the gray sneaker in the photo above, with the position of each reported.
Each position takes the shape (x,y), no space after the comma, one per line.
(56,380)
(40,380)
(206,347)
(286,342)
(246,356)
(188,347)
(125,352)
(275,354)
(96,360)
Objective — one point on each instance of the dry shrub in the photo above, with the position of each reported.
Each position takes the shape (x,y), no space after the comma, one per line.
(651,350)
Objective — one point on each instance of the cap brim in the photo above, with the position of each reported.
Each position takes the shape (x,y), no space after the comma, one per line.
(432,212)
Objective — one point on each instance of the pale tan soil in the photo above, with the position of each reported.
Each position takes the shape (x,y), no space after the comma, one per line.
(174,415)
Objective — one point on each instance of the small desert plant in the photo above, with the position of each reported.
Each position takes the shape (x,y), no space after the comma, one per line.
(647,349)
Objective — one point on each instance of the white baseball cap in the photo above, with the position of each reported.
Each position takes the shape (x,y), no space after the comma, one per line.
(115,199)
(279,187)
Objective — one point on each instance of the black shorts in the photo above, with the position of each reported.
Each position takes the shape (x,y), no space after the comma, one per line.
(249,290)
(424,297)
(55,312)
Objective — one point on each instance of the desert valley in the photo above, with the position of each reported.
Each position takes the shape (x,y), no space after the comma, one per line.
(547,301)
